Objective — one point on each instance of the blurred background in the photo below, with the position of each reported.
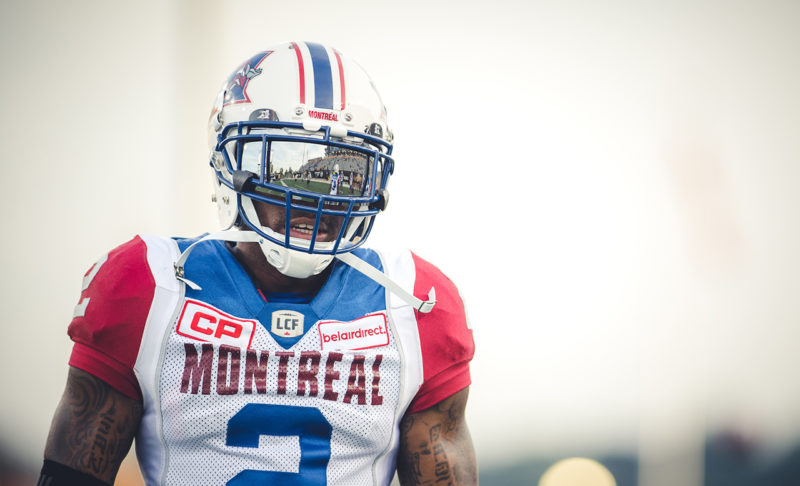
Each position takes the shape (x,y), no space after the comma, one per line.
(613,185)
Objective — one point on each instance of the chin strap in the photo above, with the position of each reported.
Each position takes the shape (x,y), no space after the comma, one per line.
(360,265)
(423,306)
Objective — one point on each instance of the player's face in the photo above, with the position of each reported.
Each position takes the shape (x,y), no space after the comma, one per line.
(302,223)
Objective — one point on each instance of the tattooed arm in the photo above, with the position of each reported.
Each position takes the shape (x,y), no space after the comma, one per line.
(93,426)
(435,446)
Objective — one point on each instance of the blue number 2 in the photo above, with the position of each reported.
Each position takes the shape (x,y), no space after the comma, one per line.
(314,431)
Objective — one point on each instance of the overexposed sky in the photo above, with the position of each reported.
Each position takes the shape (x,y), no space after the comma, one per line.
(613,186)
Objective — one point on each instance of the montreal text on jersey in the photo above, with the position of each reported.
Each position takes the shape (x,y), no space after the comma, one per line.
(317,373)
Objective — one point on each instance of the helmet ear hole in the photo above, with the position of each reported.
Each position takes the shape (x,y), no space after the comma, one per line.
(216,121)
(227,210)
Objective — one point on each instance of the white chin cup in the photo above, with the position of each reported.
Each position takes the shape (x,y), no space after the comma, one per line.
(293,263)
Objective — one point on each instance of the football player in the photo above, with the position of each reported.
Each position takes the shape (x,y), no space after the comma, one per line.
(278,350)
(336,179)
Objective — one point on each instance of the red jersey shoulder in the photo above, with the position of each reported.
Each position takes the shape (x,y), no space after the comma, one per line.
(109,319)
(449,307)
(445,337)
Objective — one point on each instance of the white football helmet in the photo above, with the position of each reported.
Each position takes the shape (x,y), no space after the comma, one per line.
(280,123)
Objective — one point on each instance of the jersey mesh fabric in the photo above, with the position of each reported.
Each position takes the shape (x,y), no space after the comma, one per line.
(196,423)
(192,436)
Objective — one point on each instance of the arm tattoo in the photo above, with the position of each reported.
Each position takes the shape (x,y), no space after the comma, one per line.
(435,446)
(93,427)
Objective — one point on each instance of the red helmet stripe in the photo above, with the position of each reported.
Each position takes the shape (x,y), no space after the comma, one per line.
(302,72)
(341,77)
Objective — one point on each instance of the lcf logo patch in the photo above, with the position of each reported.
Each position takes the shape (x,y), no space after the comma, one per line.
(236,90)
(286,323)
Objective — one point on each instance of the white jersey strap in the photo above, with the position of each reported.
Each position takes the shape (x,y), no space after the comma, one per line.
(228,235)
(423,306)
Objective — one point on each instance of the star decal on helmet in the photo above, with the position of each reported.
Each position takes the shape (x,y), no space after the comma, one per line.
(236,90)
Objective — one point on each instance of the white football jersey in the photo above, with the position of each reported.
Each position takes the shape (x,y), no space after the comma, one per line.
(240,388)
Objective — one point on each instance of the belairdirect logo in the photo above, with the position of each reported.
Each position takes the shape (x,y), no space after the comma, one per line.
(370,331)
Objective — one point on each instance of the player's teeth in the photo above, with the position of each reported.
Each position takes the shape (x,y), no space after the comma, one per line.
(303,228)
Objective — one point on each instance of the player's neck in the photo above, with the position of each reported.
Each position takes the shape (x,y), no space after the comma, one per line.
(268,278)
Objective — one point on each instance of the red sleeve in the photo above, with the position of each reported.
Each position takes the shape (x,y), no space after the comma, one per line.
(110,317)
(445,338)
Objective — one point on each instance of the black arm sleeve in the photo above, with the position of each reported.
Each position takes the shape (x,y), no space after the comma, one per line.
(55,474)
